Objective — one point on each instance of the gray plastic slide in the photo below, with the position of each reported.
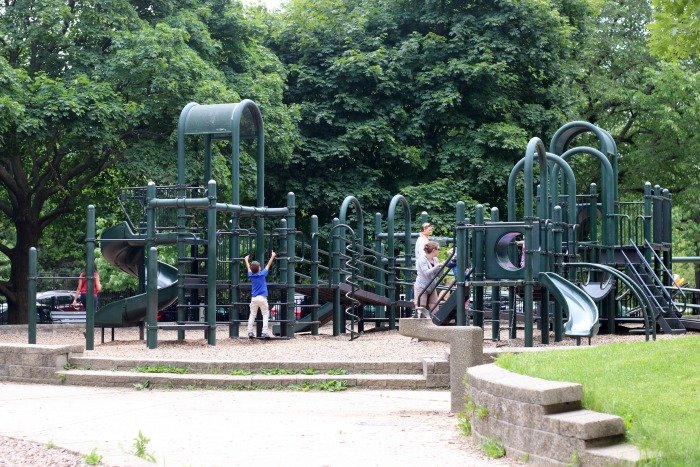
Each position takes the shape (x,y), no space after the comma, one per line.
(581,309)
(125,250)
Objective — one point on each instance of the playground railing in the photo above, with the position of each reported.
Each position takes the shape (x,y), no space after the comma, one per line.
(670,294)
(630,225)
(133,201)
(689,306)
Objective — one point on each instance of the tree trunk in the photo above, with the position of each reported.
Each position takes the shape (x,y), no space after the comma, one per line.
(17,301)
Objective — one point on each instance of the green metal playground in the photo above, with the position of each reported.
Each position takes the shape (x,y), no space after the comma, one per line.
(570,261)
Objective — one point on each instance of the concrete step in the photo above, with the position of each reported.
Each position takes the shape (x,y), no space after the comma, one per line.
(622,454)
(212,366)
(223,381)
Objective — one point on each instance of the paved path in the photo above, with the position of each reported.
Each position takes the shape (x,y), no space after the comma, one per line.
(225,428)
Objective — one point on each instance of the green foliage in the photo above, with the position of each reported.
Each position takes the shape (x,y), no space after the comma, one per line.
(278,371)
(240,372)
(50,445)
(396,94)
(493,448)
(337,371)
(575,459)
(464,423)
(140,445)
(145,384)
(93,458)
(91,93)
(160,369)
(650,107)
(618,379)
(675,32)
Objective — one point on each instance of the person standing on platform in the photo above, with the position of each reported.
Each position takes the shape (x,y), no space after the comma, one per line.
(258,294)
(426,230)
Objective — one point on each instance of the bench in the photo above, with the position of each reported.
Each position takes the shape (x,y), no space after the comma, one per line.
(67,317)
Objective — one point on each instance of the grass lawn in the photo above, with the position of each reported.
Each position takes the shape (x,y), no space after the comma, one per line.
(653,386)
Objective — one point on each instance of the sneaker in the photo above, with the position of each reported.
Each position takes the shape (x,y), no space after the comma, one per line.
(251,335)
(265,335)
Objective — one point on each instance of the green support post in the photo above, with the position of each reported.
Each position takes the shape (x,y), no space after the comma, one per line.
(647,220)
(152,298)
(314,274)
(668,236)
(593,220)
(151,270)
(495,297)
(31,296)
(234,277)
(391,266)
(379,278)
(545,265)
(211,263)
(461,247)
(291,253)
(335,277)
(90,279)
(557,234)
(479,266)
(284,313)
(528,285)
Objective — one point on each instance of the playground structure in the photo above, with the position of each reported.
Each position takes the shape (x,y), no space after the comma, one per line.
(591,258)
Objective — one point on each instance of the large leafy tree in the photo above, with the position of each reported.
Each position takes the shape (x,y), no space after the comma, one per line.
(650,106)
(401,93)
(676,29)
(87,84)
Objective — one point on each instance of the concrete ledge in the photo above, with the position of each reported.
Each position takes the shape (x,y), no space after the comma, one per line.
(543,420)
(502,383)
(33,363)
(171,380)
(398,367)
(466,349)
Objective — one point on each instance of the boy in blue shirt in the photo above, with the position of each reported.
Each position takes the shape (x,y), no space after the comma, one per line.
(258,294)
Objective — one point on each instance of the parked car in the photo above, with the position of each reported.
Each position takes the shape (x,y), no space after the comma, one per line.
(55,300)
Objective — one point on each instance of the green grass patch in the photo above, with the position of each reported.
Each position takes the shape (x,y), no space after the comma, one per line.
(654,386)
(240,372)
(464,423)
(493,448)
(93,458)
(160,369)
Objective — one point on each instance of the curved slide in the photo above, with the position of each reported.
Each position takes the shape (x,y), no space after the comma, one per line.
(582,310)
(125,250)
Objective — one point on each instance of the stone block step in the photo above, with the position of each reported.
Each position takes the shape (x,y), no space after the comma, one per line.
(367,367)
(256,381)
(623,454)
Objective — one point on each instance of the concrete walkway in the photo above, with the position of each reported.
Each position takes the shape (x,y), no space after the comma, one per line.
(225,428)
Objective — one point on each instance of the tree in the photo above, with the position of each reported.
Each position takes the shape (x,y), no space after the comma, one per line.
(675,32)
(650,106)
(88,84)
(398,93)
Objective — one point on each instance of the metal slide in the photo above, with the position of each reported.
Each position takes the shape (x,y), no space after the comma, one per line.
(125,250)
(581,309)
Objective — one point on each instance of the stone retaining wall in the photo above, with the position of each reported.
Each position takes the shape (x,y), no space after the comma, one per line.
(31,363)
(542,421)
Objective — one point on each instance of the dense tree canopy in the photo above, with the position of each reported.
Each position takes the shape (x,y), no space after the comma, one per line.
(88,84)
(395,94)
(676,29)
(432,99)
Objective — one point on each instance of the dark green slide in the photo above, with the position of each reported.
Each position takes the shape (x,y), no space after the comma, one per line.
(581,309)
(125,250)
